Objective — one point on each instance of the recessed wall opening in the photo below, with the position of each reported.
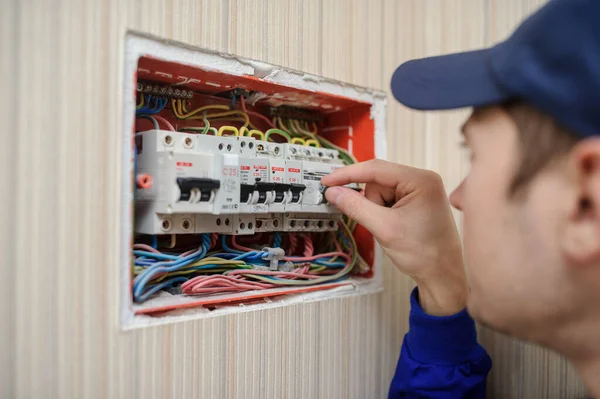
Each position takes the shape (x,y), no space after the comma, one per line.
(226,211)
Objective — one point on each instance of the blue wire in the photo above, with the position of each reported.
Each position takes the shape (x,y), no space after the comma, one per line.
(143,279)
(331,264)
(226,248)
(155,288)
(144,108)
(251,255)
(156,256)
(154,242)
(149,109)
(277,240)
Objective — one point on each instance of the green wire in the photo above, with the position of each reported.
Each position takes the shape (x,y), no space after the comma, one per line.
(321,280)
(279,132)
(204,129)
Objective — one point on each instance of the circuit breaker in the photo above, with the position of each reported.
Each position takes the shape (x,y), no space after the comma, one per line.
(203,176)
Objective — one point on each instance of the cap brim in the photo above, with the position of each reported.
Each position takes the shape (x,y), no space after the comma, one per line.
(447,82)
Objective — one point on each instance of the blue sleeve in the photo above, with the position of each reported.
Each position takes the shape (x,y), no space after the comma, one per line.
(440,358)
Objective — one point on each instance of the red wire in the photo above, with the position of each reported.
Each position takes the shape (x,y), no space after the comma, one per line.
(243,102)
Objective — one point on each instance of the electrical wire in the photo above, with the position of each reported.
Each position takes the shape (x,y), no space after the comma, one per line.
(239,268)
(151,119)
(278,132)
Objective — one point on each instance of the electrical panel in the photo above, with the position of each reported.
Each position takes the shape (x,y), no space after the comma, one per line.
(199,175)
(228,203)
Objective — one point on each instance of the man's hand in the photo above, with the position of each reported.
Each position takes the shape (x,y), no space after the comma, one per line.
(408,212)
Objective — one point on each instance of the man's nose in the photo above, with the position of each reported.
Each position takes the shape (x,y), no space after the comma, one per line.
(456,197)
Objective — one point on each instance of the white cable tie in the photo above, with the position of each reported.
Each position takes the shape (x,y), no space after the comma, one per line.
(274,255)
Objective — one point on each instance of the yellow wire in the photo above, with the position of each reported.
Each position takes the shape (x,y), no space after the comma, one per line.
(177,109)
(240,119)
(298,140)
(141,104)
(281,126)
(303,131)
(243,131)
(228,129)
(231,113)
(256,132)
(312,142)
(202,262)
(324,142)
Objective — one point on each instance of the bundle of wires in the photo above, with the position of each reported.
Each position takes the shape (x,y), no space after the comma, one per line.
(224,265)
(208,268)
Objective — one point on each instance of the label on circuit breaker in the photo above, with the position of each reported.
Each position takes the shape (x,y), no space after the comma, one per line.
(252,171)
(294,177)
(277,172)
(230,185)
(193,165)
(313,199)
(277,175)
(294,172)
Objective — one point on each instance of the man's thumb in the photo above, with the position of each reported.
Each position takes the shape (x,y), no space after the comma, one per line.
(372,216)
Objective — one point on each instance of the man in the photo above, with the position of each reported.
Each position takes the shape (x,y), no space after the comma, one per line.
(531,205)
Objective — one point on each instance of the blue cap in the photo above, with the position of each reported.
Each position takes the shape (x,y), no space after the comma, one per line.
(552,61)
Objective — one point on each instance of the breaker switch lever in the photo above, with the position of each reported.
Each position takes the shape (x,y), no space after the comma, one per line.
(246,191)
(297,190)
(266,192)
(196,189)
(282,192)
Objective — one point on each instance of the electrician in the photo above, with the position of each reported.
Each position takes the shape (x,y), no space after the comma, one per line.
(531,205)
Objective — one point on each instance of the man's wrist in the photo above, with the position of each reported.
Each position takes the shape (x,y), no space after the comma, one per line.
(443,297)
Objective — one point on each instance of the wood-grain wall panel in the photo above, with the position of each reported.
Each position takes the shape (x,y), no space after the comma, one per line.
(61,68)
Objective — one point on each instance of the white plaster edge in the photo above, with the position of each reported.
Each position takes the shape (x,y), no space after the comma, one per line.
(136,46)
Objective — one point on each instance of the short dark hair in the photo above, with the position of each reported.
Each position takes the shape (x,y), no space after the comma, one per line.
(542,141)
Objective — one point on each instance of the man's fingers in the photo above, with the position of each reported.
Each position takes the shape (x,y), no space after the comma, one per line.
(385,173)
(380,195)
(372,216)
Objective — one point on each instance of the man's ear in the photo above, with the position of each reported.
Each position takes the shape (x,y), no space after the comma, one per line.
(581,243)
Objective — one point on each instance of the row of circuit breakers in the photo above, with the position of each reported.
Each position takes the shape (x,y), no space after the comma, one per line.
(231,185)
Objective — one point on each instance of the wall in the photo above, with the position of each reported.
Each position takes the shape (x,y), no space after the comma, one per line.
(60,71)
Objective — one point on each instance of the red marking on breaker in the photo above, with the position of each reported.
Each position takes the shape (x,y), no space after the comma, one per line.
(229,171)
(278,169)
(260,166)
(245,167)
(184,164)
(294,170)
